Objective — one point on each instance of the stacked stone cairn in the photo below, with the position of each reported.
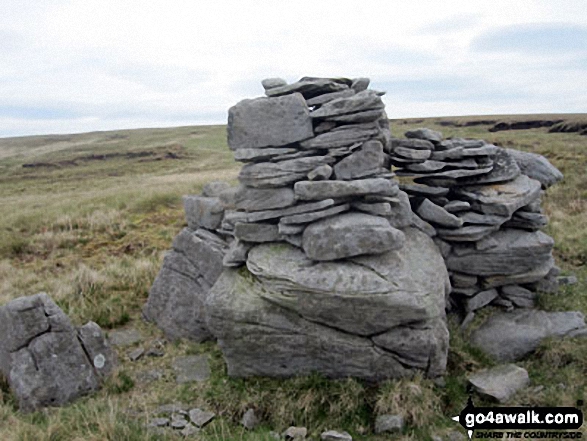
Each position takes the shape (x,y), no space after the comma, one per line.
(313,263)
(482,205)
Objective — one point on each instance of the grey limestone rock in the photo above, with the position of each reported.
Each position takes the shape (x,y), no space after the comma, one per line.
(516,252)
(401,211)
(124,337)
(289,308)
(320,173)
(343,136)
(411,153)
(500,382)
(504,169)
(203,211)
(359,102)
(200,417)
(258,199)
(327,97)
(280,174)
(295,434)
(333,435)
(510,336)
(256,232)
(249,420)
(431,212)
(518,295)
(501,199)
(306,218)
(44,358)
(389,423)
(261,154)
(456,206)
(272,83)
(237,253)
(423,133)
(215,188)
(289,211)
(269,122)
(360,163)
(360,84)
(480,299)
(424,190)
(416,144)
(536,167)
(308,87)
(377,208)
(178,293)
(318,190)
(350,234)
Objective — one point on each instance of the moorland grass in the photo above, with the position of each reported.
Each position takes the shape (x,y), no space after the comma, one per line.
(92,233)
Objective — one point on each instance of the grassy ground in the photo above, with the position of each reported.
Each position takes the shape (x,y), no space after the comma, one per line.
(89,218)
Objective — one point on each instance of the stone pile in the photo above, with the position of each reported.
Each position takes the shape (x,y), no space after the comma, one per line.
(482,205)
(323,270)
(45,359)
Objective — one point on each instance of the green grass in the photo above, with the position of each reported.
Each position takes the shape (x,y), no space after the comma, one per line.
(92,233)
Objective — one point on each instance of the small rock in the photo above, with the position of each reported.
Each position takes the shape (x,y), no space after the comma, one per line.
(271,83)
(500,382)
(295,433)
(431,212)
(423,133)
(191,368)
(189,430)
(320,173)
(155,352)
(389,423)
(178,423)
(124,337)
(159,422)
(360,84)
(250,420)
(136,354)
(200,418)
(567,280)
(215,188)
(333,435)
(148,376)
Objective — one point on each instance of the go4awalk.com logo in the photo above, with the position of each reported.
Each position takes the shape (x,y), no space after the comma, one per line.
(521,422)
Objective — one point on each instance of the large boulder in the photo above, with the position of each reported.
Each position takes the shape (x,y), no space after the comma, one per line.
(372,317)
(46,360)
(509,336)
(269,122)
(536,167)
(176,300)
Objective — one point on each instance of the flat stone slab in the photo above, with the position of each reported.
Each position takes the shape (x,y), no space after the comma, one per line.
(318,190)
(501,199)
(259,199)
(433,213)
(280,174)
(191,368)
(269,122)
(201,211)
(424,133)
(342,136)
(510,336)
(305,218)
(309,87)
(424,190)
(327,97)
(504,169)
(359,102)
(259,155)
(289,211)
(333,435)
(500,383)
(516,251)
(256,232)
(350,234)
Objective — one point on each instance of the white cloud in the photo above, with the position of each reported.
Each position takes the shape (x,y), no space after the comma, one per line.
(70,66)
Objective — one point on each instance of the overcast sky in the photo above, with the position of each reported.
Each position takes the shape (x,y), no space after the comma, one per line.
(83,65)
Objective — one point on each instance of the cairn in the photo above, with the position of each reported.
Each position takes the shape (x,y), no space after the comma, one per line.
(323,268)
(482,205)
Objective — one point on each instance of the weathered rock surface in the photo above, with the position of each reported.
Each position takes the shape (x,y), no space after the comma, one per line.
(46,361)
(364,162)
(501,382)
(348,235)
(201,211)
(536,167)
(515,252)
(280,174)
(509,336)
(359,102)
(312,190)
(389,423)
(269,122)
(177,297)
(259,199)
(277,319)
(431,212)
(423,133)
